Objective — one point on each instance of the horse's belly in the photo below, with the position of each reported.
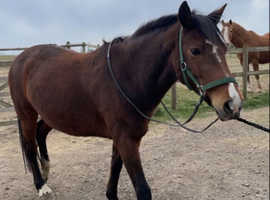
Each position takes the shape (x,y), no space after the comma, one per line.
(76,124)
(264,57)
(69,111)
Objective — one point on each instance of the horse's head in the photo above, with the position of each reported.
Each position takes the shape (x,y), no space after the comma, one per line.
(227,31)
(202,54)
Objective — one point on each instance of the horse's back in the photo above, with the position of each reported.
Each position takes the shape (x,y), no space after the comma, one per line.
(32,58)
(266,35)
(265,55)
(258,41)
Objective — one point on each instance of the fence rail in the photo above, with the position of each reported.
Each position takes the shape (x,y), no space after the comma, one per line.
(244,74)
(245,51)
(67,45)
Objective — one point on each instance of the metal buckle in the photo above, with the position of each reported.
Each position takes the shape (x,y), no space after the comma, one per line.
(183,66)
(201,90)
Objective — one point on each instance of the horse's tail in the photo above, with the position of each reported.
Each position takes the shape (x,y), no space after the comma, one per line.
(22,144)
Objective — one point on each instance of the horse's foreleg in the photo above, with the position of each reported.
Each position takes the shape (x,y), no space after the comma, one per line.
(116,166)
(42,131)
(129,152)
(256,68)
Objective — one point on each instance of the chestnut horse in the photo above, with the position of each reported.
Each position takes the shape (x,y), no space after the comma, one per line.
(235,34)
(74,93)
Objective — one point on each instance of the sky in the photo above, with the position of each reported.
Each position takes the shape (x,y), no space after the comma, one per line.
(25,23)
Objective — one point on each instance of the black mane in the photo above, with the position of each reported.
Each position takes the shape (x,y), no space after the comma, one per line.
(203,23)
(159,24)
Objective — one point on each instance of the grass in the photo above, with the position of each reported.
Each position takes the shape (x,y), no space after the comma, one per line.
(6,57)
(186,101)
(256,100)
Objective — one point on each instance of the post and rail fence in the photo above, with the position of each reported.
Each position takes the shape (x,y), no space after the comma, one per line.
(5,106)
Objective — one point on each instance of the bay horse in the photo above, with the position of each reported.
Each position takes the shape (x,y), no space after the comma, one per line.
(74,93)
(237,35)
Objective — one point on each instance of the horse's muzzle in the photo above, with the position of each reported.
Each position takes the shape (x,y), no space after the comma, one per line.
(230,111)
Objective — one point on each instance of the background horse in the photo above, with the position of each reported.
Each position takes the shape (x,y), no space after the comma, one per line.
(74,93)
(235,34)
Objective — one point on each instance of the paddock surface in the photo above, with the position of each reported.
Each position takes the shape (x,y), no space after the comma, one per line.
(229,162)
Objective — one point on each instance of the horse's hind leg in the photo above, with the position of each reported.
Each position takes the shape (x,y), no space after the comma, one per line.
(42,131)
(116,166)
(256,68)
(28,130)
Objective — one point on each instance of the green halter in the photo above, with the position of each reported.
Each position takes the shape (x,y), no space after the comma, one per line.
(186,73)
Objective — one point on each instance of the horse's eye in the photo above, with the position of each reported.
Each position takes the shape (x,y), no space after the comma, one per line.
(195,51)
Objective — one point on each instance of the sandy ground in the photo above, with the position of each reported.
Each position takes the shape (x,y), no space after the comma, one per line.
(228,162)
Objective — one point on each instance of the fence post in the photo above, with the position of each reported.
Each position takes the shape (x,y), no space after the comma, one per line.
(68,45)
(245,71)
(83,47)
(174,96)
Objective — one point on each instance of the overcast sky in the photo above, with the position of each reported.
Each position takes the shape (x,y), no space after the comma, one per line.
(29,22)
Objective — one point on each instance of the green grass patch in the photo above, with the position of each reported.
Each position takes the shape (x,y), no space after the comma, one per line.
(186,101)
(256,100)
(7,57)
(185,104)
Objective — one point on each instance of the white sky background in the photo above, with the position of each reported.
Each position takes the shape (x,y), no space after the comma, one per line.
(29,22)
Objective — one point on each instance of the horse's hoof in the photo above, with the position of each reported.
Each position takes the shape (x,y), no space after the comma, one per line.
(44,190)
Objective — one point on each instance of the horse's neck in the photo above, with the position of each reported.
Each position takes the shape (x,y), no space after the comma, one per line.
(153,74)
(242,37)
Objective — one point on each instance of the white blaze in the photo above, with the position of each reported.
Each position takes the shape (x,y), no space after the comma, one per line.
(236,100)
(226,35)
(214,50)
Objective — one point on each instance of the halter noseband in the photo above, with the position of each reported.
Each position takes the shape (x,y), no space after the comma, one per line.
(186,73)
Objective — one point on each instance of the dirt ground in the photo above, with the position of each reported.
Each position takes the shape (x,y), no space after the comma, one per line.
(228,162)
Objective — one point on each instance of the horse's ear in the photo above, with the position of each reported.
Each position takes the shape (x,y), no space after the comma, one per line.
(230,22)
(185,16)
(216,15)
(222,22)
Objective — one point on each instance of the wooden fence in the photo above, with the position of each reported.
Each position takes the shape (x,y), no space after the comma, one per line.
(7,107)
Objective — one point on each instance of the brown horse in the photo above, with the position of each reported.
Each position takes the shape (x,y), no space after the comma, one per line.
(235,34)
(74,93)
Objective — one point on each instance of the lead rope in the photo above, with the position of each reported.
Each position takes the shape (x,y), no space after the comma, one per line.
(166,109)
(253,124)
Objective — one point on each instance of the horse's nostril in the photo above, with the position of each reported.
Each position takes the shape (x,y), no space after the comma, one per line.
(236,115)
(231,110)
(228,107)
